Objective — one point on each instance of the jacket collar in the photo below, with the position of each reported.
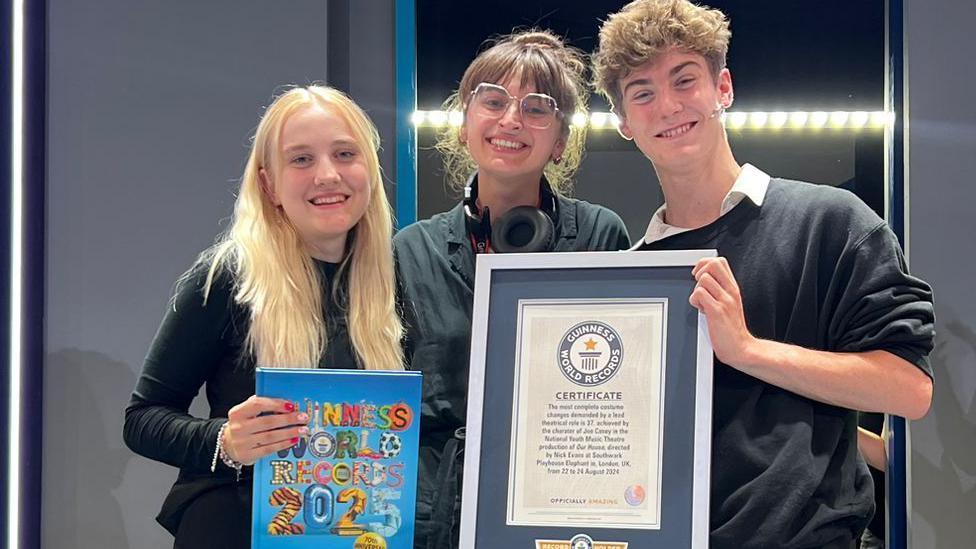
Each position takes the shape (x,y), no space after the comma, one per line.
(459,251)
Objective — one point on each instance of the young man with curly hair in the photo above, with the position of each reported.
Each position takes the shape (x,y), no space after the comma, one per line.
(810,307)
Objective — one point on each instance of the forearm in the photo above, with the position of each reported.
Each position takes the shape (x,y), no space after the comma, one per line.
(872,381)
(872,447)
(171,436)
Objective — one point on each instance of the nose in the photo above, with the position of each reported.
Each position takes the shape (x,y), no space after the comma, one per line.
(326,173)
(670,103)
(512,117)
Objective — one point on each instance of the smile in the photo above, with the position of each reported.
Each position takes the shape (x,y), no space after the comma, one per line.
(678,131)
(506,144)
(328,200)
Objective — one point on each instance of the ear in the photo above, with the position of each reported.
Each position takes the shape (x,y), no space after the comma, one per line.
(463,133)
(267,185)
(725,91)
(558,148)
(624,129)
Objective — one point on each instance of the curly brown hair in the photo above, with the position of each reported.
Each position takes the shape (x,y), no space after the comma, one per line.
(644,29)
(542,60)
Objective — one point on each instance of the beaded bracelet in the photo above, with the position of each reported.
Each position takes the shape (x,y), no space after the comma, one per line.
(219,451)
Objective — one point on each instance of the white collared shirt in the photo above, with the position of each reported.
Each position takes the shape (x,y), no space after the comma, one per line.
(751,183)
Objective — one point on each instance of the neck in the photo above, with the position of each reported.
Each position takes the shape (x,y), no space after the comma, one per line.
(330,251)
(502,195)
(694,193)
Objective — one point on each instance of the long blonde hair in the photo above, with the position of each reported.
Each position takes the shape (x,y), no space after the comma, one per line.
(276,278)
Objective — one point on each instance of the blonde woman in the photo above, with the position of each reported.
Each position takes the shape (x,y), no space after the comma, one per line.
(515,153)
(304,277)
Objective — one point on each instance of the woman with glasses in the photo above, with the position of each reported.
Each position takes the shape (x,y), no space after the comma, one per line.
(513,156)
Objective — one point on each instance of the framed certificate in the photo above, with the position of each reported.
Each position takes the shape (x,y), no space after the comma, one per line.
(589,403)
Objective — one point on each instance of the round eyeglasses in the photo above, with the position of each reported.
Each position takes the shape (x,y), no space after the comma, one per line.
(537,110)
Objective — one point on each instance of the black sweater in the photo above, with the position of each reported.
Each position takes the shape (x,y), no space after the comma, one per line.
(202,343)
(817,268)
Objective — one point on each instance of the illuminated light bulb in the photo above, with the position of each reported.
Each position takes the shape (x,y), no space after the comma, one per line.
(455,118)
(614,120)
(598,119)
(417,118)
(818,119)
(579,119)
(880,119)
(437,118)
(799,119)
(778,119)
(737,119)
(838,119)
(758,119)
(859,119)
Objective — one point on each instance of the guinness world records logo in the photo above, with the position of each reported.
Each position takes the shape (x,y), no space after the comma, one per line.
(581,541)
(322,445)
(590,353)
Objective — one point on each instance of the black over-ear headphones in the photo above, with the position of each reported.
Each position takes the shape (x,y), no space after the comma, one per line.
(522,229)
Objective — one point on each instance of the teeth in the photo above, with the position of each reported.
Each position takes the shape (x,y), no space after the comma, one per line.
(323,200)
(677,131)
(505,144)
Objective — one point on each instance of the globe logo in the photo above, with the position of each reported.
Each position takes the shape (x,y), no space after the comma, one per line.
(634,495)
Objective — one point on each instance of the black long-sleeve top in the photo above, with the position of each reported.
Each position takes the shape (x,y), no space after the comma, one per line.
(816,268)
(201,342)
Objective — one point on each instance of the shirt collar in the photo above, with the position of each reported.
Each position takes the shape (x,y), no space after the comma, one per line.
(752,183)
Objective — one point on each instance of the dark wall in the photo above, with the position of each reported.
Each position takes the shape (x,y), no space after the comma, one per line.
(838,43)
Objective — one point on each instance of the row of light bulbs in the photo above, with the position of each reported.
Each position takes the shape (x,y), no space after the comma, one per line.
(739,120)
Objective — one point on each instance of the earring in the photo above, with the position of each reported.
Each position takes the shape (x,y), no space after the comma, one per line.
(557,160)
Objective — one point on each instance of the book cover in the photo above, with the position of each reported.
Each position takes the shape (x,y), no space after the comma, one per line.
(351,483)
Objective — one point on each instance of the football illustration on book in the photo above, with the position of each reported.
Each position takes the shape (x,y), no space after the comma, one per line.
(351,482)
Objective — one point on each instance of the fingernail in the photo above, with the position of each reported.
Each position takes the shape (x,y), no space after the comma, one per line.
(294,440)
(303,417)
(289,407)
(303,430)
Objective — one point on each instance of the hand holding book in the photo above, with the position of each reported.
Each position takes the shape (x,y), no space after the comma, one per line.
(260,426)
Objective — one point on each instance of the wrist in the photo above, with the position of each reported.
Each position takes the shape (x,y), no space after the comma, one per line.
(221,452)
(753,354)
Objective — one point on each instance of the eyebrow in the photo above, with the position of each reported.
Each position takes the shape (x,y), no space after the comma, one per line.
(345,142)
(681,67)
(638,82)
(341,142)
(646,81)
(294,148)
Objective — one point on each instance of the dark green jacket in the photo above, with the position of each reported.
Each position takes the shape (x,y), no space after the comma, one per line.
(436,264)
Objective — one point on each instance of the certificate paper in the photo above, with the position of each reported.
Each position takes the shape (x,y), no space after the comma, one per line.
(588,413)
